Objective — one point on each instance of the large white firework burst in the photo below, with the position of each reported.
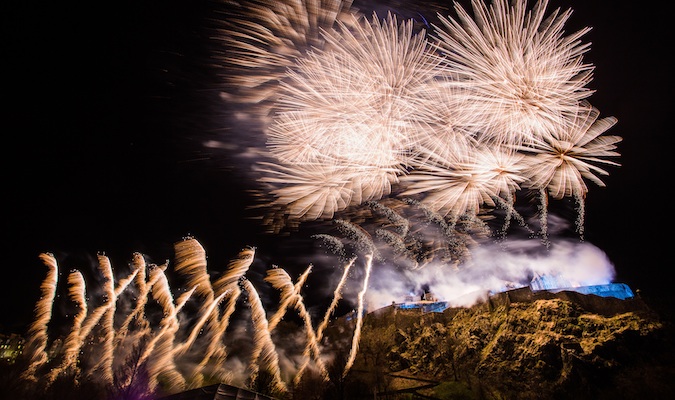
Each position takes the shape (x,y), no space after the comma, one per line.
(361,108)
(514,75)
(351,110)
(359,102)
(563,161)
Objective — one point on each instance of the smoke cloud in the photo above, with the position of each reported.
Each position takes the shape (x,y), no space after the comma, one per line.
(493,268)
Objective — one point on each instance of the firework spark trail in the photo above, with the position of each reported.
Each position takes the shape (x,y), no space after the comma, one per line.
(401,225)
(160,352)
(107,320)
(333,244)
(458,248)
(400,246)
(581,214)
(511,213)
(288,292)
(108,325)
(216,353)
(160,365)
(209,311)
(236,269)
(95,317)
(143,329)
(543,217)
(359,318)
(264,348)
(291,294)
(37,332)
(337,296)
(312,346)
(191,263)
(227,284)
(165,299)
(73,341)
(161,345)
(138,313)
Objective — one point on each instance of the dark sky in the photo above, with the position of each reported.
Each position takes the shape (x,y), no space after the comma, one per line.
(106,107)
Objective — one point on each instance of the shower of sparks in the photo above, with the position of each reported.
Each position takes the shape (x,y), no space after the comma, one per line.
(406,233)
(179,349)
(460,118)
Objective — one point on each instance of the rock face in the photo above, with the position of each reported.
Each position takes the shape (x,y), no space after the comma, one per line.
(550,346)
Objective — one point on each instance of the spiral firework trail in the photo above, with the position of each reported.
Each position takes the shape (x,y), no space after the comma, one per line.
(162,343)
(137,316)
(105,363)
(264,348)
(95,353)
(216,352)
(191,263)
(290,295)
(337,295)
(37,332)
(207,313)
(228,286)
(289,292)
(73,341)
(236,269)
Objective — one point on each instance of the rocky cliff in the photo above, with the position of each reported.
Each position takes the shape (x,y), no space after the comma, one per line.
(518,346)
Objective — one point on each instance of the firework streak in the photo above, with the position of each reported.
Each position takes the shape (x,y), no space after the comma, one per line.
(167,340)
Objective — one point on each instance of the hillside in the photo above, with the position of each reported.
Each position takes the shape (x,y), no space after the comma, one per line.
(515,346)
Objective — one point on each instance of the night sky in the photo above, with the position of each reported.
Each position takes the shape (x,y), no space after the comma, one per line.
(107,106)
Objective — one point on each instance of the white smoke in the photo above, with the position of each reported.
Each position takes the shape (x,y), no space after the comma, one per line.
(493,268)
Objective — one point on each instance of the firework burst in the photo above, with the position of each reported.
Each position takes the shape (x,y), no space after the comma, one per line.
(347,117)
(263,38)
(376,109)
(514,75)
